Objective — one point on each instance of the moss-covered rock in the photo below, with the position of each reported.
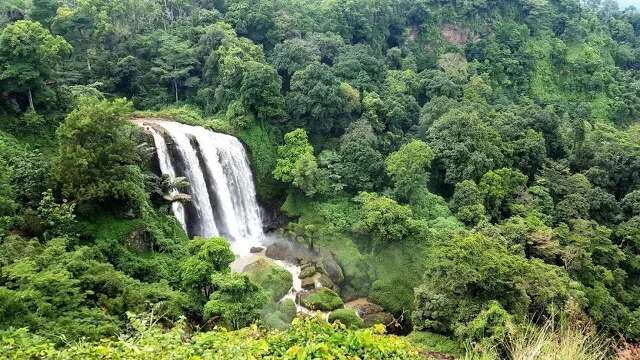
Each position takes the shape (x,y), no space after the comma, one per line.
(307,271)
(322,299)
(280,251)
(278,315)
(274,279)
(332,269)
(308,283)
(363,307)
(325,281)
(383,318)
(347,317)
(288,309)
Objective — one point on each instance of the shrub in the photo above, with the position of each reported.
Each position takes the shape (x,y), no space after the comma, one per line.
(309,338)
(394,293)
(385,219)
(563,342)
(235,302)
(347,317)
(288,309)
(491,326)
(436,342)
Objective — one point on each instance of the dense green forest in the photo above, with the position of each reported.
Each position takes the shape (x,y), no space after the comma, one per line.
(471,166)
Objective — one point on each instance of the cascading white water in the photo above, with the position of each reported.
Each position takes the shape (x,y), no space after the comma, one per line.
(232,185)
(195,175)
(166,167)
(220,178)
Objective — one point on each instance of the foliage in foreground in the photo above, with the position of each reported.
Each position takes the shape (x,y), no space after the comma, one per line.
(575,340)
(308,338)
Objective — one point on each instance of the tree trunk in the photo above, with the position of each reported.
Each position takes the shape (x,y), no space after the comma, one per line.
(31,101)
(175,86)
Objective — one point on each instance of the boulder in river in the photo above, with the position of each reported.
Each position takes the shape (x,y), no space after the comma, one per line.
(308,283)
(323,280)
(280,251)
(256,249)
(332,268)
(363,307)
(276,280)
(347,317)
(322,299)
(307,271)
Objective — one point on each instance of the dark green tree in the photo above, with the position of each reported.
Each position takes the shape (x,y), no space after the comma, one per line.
(29,56)
(317,101)
(408,167)
(361,164)
(465,147)
(89,167)
(293,55)
(174,63)
(500,189)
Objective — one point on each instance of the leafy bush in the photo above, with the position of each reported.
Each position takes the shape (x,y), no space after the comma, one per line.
(310,338)
(235,301)
(436,342)
(260,139)
(76,293)
(385,219)
(91,169)
(492,326)
(347,317)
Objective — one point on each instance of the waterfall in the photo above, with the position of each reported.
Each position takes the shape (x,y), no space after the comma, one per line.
(166,167)
(223,197)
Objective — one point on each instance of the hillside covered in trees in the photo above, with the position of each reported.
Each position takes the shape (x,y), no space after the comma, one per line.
(471,168)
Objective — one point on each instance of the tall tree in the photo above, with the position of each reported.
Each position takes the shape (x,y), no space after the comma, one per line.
(296,163)
(175,62)
(293,55)
(408,167)
(361,164)
(98,155)
(29,55)
(43,11)
(317,101)
(465,146)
